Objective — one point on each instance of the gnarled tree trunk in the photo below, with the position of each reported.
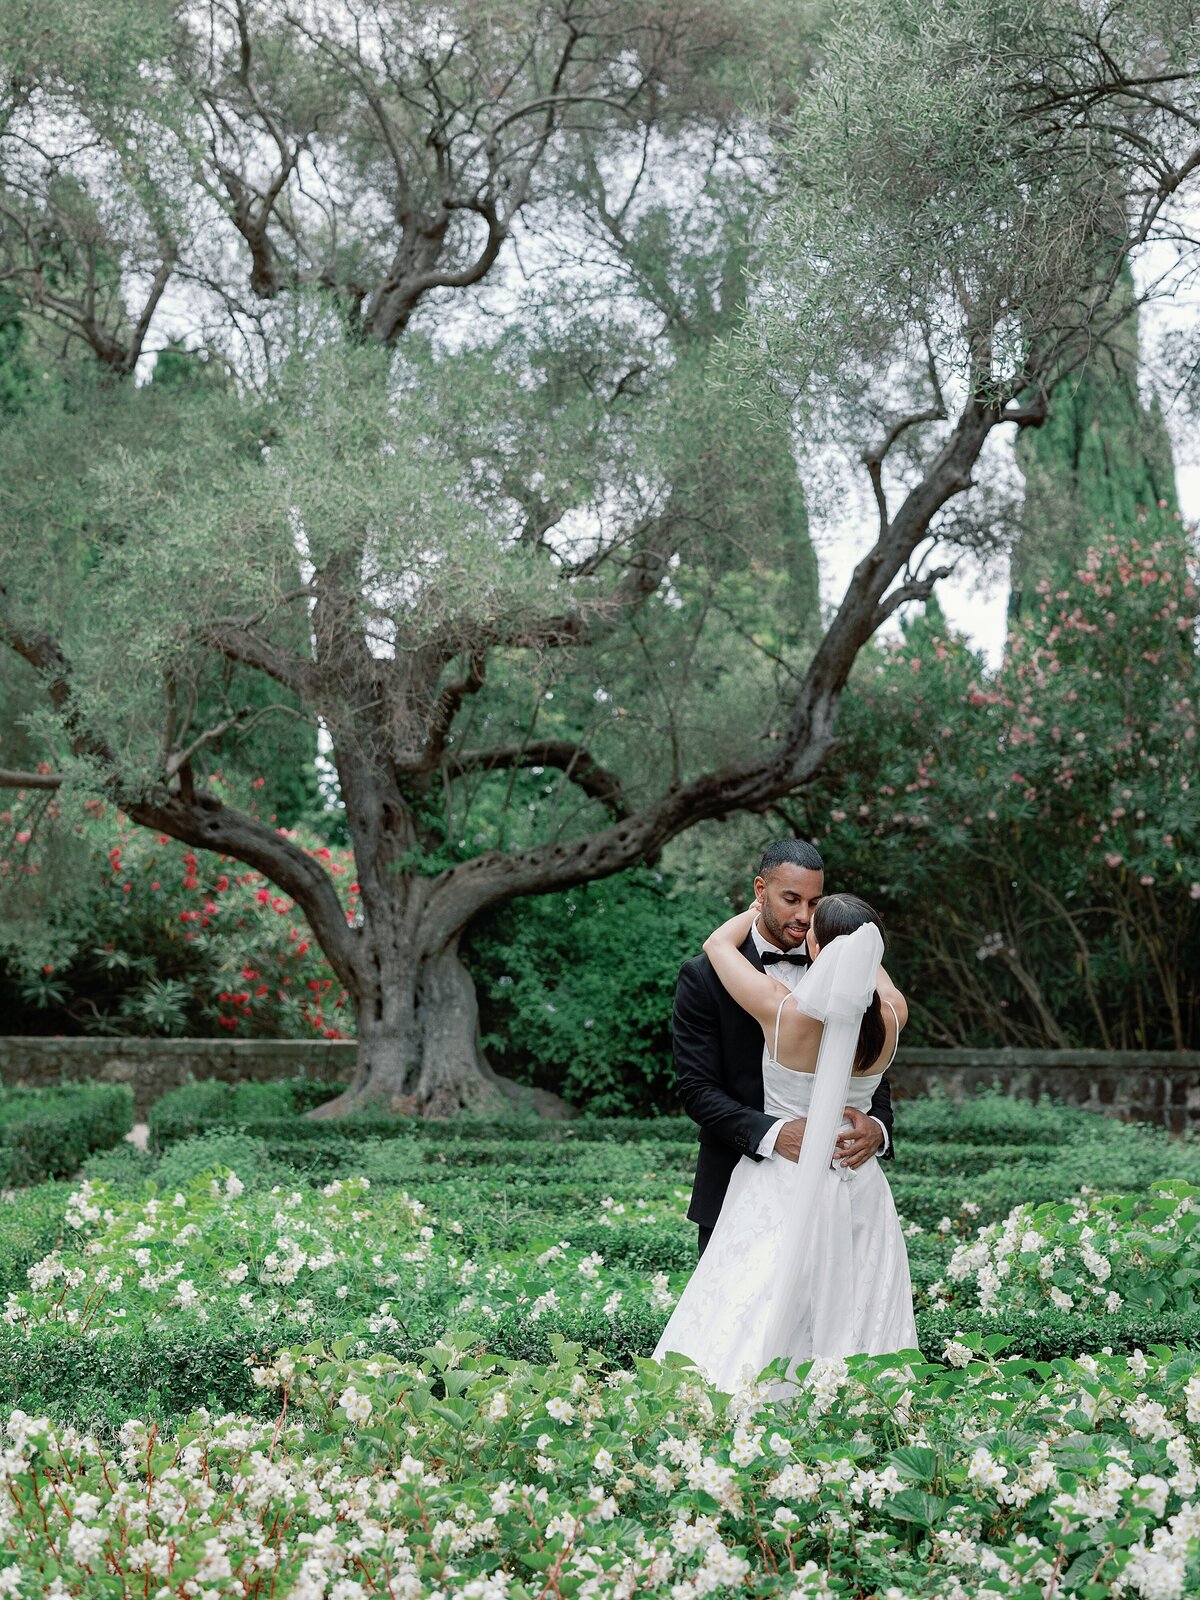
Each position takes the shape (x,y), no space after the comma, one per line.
(419,1049)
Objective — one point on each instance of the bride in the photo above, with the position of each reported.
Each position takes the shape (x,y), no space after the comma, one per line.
(807,1258)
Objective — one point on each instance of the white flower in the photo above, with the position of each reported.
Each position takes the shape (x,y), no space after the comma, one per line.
(1152,1491)
(86,1543)
(1148,1418)
(795,1482)
(746,1446)
(356,1406)
(956,1354)
(660,1292)
(561,1410)
(984,1469)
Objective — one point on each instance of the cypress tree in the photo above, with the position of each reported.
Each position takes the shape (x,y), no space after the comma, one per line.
(1102,460)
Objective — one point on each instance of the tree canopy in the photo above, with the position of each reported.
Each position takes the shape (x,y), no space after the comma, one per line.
(515,329)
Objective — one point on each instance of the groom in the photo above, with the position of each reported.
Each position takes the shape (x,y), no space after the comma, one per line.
(719,1047)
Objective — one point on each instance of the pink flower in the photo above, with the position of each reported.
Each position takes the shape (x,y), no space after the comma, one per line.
(1194,891)
(1146,878)
(1111,859)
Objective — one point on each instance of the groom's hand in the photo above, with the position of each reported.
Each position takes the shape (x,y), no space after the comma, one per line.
(790,1138)
(864,1140)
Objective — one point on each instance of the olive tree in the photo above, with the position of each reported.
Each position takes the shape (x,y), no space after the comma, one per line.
(546,521)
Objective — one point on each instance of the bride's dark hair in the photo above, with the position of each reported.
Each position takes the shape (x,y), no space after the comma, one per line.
(835,915)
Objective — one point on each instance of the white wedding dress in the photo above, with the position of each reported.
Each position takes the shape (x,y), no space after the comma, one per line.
(782,1277)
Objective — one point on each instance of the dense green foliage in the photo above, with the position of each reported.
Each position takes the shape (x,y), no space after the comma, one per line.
(576,989)
(47,1133)
(1033,834)
(156,939)
(473,1475)
(1101,461)
(490,1297)
(576,1228)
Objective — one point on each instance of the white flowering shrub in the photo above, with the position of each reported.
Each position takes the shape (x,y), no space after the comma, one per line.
(1091,1254)
(468,1478)
(343,1256)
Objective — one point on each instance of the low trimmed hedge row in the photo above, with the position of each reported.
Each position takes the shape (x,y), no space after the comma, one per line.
(989,1119)
(170,1372)
(48,1133)
(928,1183)
(212,1104)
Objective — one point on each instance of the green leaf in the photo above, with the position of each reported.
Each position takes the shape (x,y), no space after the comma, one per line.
(916,1506)
(916,1461)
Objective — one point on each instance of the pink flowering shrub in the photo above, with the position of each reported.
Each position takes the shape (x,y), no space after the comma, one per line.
(1035,830)
(161,939)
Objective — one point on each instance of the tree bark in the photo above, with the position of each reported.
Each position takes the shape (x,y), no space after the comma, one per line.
(419,1049)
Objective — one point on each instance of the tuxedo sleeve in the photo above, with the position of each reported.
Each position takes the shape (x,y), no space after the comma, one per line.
(695,1028)
(881,1110)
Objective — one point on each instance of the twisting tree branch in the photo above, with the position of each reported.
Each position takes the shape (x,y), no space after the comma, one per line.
(29,780)
(567,757)
(192,815)
(907,593)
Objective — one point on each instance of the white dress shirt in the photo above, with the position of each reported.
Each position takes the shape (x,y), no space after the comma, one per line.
(789,974)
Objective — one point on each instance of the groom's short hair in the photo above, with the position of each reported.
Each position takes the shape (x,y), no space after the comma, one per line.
(792,853)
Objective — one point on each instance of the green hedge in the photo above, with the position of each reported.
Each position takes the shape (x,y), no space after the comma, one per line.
(170,1372)
(987,1120)
(31,1225)
(202,1107)
(48,1133)
(199,1108)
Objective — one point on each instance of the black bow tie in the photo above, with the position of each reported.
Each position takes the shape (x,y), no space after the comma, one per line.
(797,958)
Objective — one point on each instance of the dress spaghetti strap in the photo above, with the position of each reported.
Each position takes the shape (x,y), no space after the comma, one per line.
(778,1014)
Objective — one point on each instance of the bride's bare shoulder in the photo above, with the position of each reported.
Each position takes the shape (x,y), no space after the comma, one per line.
(889,993)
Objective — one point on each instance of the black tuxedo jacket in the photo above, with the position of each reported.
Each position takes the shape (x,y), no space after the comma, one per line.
(718,1072)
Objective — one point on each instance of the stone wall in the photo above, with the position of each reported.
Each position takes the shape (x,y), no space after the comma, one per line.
(1138,1086)
(153,1066)
(1143,1086)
